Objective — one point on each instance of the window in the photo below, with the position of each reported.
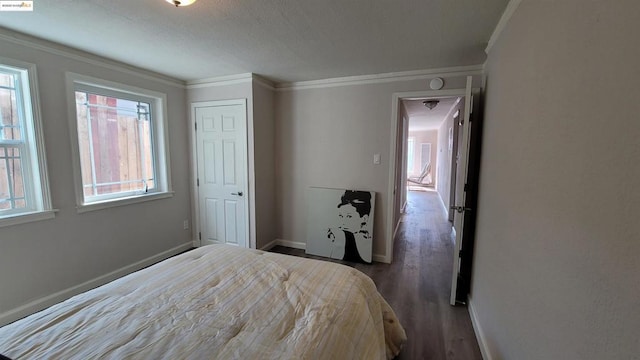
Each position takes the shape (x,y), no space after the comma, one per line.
(410,149)
(24,191)
(121,148)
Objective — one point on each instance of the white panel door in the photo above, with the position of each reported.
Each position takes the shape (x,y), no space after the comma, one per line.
(221,142)
(461,180)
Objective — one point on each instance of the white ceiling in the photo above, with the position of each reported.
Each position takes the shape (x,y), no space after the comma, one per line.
(421,118)
(283,40)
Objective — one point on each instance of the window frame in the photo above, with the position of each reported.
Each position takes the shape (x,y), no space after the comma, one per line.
(159,140)
(33,155)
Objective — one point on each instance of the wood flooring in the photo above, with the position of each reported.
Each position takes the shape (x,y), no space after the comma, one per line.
(418,282)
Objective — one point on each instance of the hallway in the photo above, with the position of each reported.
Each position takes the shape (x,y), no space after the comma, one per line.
(419,287)
(418,282)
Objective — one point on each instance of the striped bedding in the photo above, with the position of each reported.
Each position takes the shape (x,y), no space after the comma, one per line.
(217,302)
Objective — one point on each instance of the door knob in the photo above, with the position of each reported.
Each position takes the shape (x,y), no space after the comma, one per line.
(460,209)
(239,193)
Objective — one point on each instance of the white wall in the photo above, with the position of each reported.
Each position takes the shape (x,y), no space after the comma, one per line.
(41,258)
(327,137)
(556,271)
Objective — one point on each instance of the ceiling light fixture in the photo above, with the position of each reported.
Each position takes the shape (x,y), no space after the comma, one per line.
(181,2)
(430,104)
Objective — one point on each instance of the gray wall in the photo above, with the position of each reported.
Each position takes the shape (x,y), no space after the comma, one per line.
(326,137)
(400,199)
(556,272)
(41,258)
(265,172)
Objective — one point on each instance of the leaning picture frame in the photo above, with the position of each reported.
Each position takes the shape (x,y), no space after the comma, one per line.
(340,224)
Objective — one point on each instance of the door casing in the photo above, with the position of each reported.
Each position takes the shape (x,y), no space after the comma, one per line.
(249,198)
(396,121)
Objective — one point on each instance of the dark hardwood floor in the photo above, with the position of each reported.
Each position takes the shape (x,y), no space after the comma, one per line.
(418,282)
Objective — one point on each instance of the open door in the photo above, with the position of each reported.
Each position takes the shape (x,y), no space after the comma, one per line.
(460,193)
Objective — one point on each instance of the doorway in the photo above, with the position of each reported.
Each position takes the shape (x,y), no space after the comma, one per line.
(462,98)
(429,160)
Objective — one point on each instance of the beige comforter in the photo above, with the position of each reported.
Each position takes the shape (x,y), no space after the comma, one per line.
(217,302)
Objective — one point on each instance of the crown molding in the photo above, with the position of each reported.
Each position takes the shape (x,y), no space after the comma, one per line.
(83,56)
(230,80)
(511,8)
(265,83)
(220,81)
(381,78)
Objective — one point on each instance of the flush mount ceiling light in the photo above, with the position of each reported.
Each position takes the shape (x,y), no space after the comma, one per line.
(430,104)
(181,2)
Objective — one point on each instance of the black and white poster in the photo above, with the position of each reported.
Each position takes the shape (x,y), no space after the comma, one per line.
(340,224)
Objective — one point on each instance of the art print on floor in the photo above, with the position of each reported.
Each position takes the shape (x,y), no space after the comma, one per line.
(340,224)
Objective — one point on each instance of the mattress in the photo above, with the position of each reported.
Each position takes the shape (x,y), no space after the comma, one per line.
(217,302)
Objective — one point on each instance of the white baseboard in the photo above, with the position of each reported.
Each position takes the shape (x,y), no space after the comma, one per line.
(482,343)
(303,246)
(285,243)
(43,303)
(291,244)
(380,258)
(444,207)
(395,231)
(270,245)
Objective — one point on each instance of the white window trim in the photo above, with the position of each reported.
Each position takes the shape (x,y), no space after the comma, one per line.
(39,181)
(160,141)
(24,218)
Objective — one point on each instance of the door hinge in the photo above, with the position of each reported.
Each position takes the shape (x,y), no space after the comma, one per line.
(197,182)
(196,125)
(460,253)
(471,107)
(466,187)
(199,236)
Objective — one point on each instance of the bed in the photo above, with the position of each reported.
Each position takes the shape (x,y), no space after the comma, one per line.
(217,302)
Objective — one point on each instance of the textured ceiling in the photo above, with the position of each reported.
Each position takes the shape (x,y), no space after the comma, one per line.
(421,118)
(283,40)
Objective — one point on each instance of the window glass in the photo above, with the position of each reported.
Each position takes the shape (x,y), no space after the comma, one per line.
(23,187)
(114,138)
(121,148)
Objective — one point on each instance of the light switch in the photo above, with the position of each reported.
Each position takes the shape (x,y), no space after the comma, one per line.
(376,159)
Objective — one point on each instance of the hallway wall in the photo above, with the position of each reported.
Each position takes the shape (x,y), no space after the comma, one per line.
(444,154)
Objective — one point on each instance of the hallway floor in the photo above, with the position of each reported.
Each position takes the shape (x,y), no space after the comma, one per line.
(418,282)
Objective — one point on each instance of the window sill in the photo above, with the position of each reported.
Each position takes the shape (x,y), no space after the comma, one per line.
(99,205)
(27,217)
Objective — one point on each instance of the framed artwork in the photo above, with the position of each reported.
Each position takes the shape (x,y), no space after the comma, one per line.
(340,224)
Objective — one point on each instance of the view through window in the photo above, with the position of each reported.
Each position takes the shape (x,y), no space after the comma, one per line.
(12,144)
(115,145)
(23,180)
